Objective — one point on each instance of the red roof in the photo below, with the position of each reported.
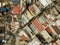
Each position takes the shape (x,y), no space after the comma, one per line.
(48,29)
(36,23)
(23,37)
(16,10)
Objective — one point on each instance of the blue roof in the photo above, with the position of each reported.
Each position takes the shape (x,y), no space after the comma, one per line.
(14,1)
(3,9)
